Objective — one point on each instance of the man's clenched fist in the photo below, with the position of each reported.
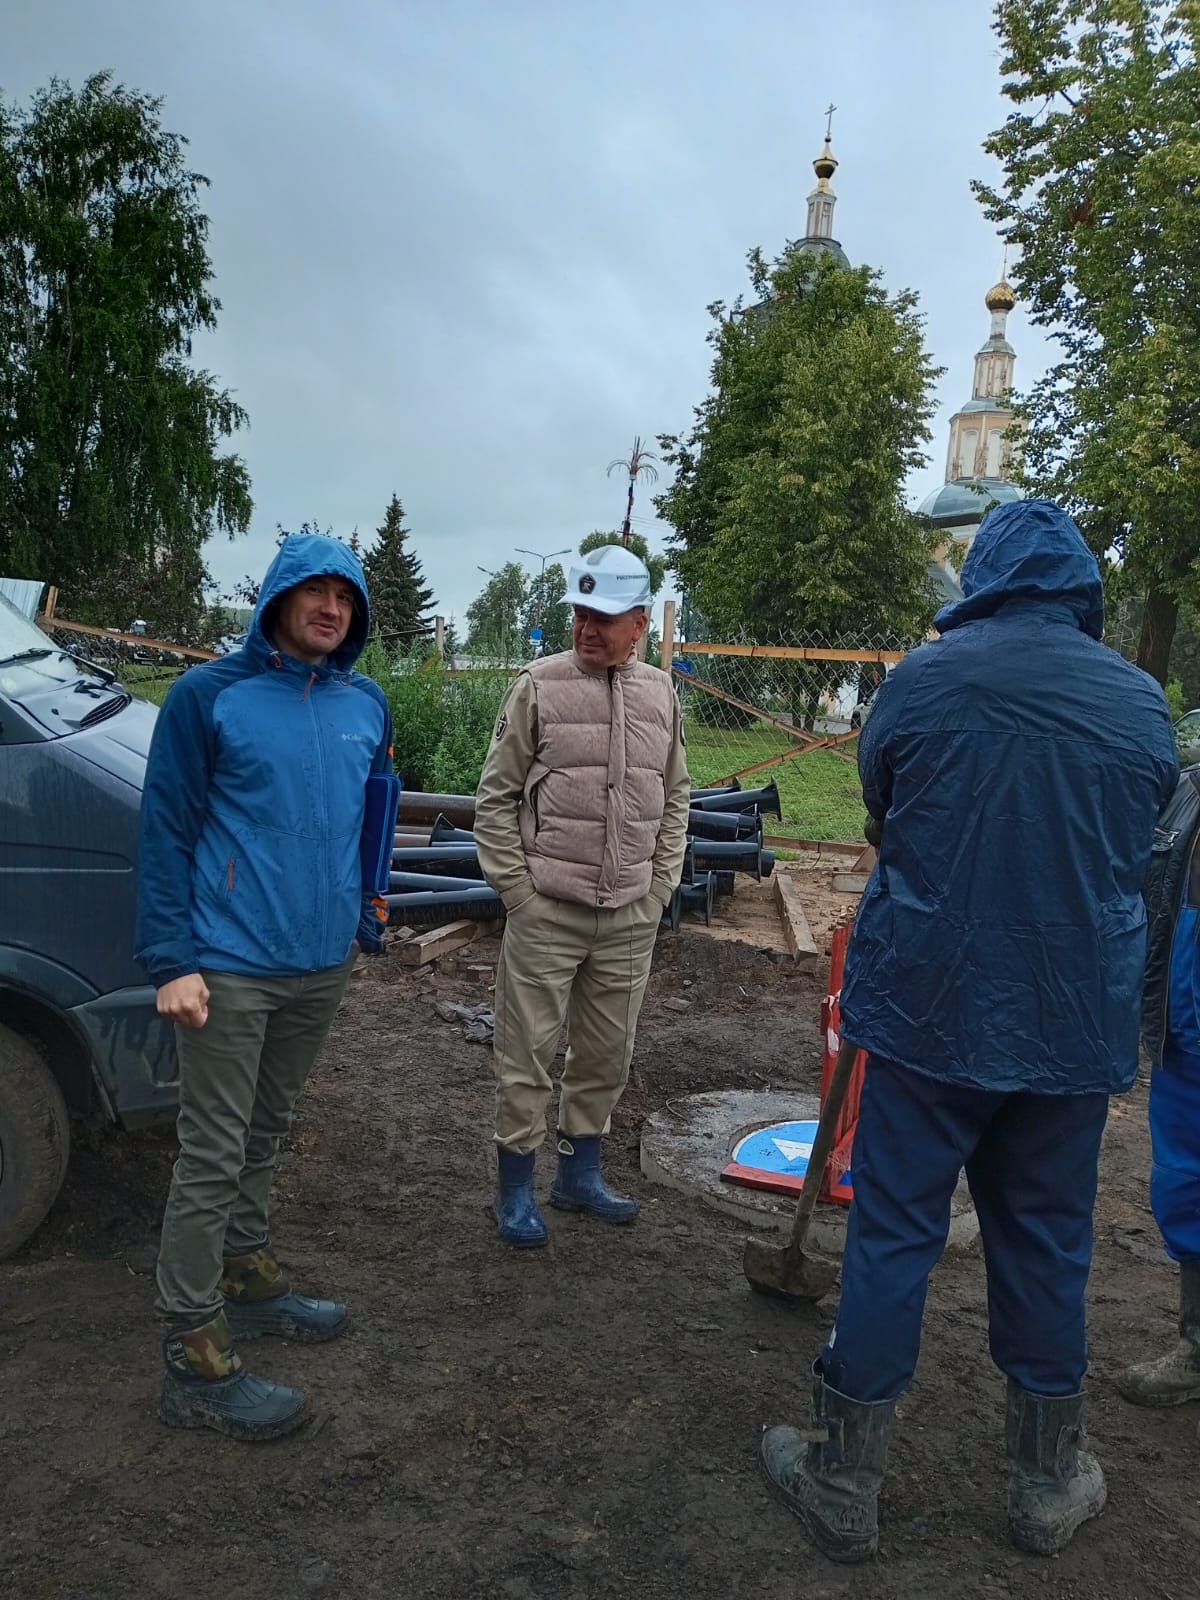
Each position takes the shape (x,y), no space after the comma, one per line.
(185,1001)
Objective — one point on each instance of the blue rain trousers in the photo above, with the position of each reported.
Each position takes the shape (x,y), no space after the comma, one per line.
(1175,1135)
(1031,1162)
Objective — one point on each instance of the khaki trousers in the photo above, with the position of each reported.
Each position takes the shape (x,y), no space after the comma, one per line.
(239,1079)
(588,967)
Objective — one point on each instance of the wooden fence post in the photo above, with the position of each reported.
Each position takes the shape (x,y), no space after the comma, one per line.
(439,635)
(668,635)
(51,602)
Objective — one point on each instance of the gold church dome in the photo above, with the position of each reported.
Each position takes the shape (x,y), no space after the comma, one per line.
(1000,296)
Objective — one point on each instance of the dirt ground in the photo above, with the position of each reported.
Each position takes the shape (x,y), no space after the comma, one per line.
(579,1421)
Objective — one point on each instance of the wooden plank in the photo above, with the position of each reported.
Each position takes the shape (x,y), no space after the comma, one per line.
(796,932)
(788,652)
(128,638)
(850,882)
(830,743)
(437,942)
(819,847)
(866,861)
(667,652)
(808,739)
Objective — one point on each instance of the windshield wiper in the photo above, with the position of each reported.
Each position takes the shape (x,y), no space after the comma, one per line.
(26,655)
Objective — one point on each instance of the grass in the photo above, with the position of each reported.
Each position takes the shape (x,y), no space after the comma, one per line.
(819,793)
(148,683)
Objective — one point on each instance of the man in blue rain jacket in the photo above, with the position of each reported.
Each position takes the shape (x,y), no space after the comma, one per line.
(1171,1035)
(1017,767)
(251,909)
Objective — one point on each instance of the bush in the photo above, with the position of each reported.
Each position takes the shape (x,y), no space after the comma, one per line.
(441,725)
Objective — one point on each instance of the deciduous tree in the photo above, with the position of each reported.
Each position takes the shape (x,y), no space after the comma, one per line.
(111,439)
(1101,199)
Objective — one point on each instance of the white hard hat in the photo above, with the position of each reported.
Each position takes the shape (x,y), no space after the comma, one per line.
(610,580)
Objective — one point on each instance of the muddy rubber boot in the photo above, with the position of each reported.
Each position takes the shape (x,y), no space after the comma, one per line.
(206,1386)
(832,1485)
(1175,1377)
(1053,1485)
(260,1302)
(578,1185)
(516,1210)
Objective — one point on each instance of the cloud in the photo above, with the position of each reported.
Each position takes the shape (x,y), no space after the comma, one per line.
(464,249)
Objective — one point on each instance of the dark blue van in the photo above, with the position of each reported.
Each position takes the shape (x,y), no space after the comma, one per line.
(79,1034)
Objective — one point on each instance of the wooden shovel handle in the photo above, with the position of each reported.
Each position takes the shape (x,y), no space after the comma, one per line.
(822,1145)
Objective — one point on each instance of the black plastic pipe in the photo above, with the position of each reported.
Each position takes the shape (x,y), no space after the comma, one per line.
(730,855)
(444,832)
(724,824)
(764,801)
(417,806)
(720,788)
(430,883)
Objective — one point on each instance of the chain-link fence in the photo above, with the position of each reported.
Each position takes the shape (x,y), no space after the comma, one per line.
(788,712)
(784,711)
(147,667)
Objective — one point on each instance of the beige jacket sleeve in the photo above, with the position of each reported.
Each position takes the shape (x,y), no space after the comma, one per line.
(498,798)
(667,867)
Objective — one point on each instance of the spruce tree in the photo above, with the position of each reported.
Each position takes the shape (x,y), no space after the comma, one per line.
(400,600)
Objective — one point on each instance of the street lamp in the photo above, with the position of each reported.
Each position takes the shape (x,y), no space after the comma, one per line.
(538,556)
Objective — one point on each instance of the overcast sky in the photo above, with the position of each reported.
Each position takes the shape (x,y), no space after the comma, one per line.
(464,248)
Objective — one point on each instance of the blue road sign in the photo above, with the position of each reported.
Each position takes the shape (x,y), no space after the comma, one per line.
(535,635)
(779,1151)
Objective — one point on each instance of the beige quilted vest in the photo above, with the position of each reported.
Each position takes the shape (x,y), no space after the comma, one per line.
(594,796)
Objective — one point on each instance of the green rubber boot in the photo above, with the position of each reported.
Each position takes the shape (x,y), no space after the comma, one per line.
(1054,1486)
(1171,1379)
(832,1482)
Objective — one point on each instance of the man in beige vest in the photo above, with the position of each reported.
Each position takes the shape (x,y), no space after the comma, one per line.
(581,820)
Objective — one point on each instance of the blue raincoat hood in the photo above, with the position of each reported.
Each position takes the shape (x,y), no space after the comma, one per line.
(312,555)
(1029,551)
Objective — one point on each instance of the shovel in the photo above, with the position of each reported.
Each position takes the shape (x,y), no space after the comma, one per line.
(788,1271)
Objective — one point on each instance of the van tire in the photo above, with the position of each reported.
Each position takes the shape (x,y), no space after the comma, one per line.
(35,1140)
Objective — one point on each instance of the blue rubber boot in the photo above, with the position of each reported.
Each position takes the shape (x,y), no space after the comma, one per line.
(516,1208)
(206,1386)
(261,1303)
(578,1185)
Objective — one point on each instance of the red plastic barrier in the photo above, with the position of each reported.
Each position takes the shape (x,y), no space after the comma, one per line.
(831,1022)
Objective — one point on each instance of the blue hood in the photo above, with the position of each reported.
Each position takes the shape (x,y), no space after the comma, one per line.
(1031,550)
(312,555)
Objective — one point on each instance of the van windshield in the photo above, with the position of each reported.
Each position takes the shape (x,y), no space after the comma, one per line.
(19,636)
(33,666)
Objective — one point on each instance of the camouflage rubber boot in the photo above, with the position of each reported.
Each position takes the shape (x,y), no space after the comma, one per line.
(832,1484)
(206,1386)
(1053,1485)
(260,1301)
(1175,1377)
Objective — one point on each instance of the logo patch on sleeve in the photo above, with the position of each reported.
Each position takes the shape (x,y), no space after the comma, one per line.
(502,724)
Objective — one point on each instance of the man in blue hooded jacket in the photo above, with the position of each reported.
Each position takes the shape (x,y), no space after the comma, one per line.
(251,909)
(1017,767)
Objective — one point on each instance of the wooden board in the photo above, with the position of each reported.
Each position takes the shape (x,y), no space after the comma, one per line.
(796,932)
(438,942)
(850,882)
(866,861)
